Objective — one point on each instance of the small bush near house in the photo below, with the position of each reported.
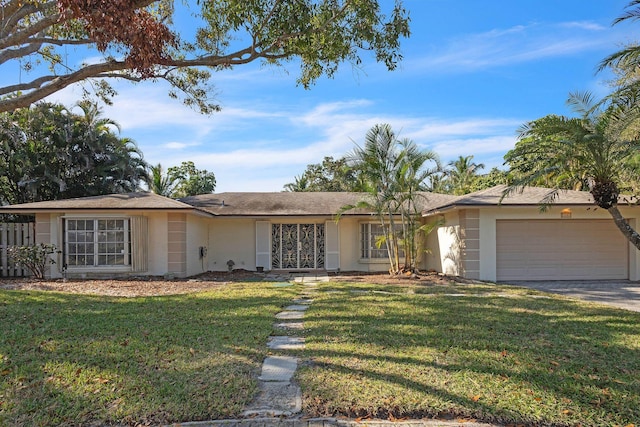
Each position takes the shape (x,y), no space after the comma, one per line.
(36,259)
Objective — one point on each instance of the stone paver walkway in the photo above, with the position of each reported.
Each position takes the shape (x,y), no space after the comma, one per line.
(278,396)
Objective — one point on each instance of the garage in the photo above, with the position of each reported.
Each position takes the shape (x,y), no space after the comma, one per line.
(563,249)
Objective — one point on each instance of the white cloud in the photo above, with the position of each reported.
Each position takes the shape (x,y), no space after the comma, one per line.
(435,129)
(584,25)
(179,145)
(518,44)
(476,146)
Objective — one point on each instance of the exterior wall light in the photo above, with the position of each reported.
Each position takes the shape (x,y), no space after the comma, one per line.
(565,213)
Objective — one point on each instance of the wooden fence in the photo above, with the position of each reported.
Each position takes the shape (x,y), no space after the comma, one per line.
(14,234)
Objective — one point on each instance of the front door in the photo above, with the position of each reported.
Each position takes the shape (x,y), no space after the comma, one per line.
(295,246)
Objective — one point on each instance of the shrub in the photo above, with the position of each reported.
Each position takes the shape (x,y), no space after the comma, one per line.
(34,258)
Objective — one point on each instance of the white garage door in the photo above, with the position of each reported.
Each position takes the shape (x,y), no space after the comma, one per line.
(560,250)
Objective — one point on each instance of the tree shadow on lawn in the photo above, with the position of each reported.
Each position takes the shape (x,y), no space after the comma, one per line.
(79,359)
(520,359)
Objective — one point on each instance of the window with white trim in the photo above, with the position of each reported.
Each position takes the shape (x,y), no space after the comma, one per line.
(370,232)
(97,242)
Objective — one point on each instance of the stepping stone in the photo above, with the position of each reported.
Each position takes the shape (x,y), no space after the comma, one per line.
(296,307)
(303,301)
(286,343)
(282,284)
(274,399)
(278,368)
(290,325)
(290,315)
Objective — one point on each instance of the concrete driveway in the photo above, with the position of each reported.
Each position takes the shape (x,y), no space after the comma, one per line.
(621,294)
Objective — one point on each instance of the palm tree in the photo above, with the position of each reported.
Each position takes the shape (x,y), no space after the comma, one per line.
(625,64)
(592,149)
(376,161)
(411,173)
(627,59)
(159,182)
(462,174)
(392,171)
(301,183)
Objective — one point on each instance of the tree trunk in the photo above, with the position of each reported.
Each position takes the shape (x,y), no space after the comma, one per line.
(632,235)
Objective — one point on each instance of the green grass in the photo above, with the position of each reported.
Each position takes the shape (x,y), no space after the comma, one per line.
(78,359)
(496,354)
(488,352)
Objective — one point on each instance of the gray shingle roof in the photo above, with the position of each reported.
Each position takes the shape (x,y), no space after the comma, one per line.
(286,203)
(127,201)
(293,203)
(528,196)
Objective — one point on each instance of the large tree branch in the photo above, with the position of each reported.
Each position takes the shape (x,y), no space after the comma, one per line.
(47,85)
(34,84)
(58,83)
(9,54)
(16,11)
(273,35)
(21,37)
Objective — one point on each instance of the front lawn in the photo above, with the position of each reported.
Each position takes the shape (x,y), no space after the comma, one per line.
(485,352)
(77,359)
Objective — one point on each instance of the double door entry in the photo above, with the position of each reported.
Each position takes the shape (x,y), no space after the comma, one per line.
(295,246)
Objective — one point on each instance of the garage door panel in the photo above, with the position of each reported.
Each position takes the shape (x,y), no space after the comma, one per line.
(560,250)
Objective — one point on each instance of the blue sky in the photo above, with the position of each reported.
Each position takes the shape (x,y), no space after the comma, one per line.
(473,72)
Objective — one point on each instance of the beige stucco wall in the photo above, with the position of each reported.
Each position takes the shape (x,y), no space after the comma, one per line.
(444,245)
(235,239)
(197,237)
(232,239)
(448,245)
(157,243)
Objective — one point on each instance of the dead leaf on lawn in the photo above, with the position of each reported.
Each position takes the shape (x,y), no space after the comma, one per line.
(554,363)
(504,353)
(476,397)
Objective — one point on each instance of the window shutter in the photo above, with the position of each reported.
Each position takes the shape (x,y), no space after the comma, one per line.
(139,243)
(263,244)
(332,247)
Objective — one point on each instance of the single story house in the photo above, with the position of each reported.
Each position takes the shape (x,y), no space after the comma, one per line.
(477,236)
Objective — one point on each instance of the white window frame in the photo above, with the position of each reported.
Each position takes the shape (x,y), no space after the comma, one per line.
(126,242)
(367,243)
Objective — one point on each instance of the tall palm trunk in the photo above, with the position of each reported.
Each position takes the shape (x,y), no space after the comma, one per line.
(632,235)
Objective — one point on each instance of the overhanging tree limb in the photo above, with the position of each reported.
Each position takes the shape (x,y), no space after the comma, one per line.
(321,33)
